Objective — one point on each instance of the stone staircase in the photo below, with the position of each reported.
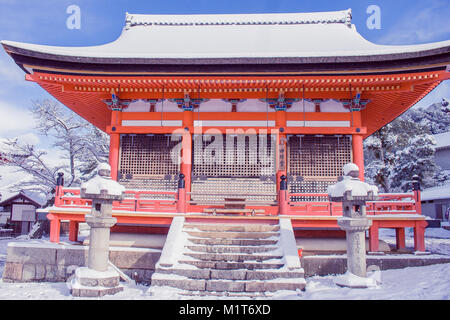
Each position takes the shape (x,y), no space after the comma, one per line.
(229,260)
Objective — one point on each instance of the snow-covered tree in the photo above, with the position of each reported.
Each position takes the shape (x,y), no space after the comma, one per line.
(398,151)
(415,159)
(435,117)
(378,160)
(77,149)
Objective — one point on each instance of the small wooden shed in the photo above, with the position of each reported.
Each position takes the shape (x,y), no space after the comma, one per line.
(22,212)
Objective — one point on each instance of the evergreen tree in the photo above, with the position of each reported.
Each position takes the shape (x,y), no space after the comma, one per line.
(399,150)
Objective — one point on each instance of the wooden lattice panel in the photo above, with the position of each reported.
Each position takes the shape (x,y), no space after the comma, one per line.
(169,183)
(219,189)
(146,155)
(234,156)
(315,162)
(149,162)
(310,186)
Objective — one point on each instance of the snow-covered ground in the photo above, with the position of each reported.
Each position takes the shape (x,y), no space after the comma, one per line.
(416,283)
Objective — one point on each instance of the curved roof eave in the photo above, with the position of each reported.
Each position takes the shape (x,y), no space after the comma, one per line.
(74,54)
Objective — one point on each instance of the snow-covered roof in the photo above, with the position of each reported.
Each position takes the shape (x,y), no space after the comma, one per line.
(435,193)
(343,16)
(442,140)
(232,36)
(22,194)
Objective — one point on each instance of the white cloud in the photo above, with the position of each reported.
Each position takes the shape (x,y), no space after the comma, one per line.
(9,71)
(14,120)
(425,22)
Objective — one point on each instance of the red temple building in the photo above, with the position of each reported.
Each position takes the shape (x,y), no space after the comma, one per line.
(258,112)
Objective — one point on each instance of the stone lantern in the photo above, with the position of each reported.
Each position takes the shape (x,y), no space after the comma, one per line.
(353,194)
(98,278)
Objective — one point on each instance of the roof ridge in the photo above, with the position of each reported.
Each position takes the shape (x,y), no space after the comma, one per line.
(343,16)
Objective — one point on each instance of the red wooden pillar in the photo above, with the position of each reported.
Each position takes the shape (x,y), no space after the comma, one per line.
(281,158)
(357,145)
(281,143)
(419,235)
(358,154)
(400,238)
(374,237)
(114,145)
(55,227)
(186,151)
(73,230)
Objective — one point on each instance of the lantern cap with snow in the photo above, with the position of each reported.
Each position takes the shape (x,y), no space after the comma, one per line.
(102,187)
(350,188)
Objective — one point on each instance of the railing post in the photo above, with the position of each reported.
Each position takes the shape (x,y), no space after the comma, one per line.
(181,203)
(55,226)
(59,188)
(416,190)
(419,236)
(400,238)
(73,230)
(282,196)
(137,204)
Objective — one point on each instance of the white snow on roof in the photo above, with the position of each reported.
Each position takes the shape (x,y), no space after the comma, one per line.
(442,140)
(320,34)
(343,16)
(435,193)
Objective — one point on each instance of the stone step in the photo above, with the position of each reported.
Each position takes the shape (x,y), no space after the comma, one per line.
(233,242)
(232,227)
(186,283)
(232,249)
(215,295)
(230,257)
(231,234)
(180,282)
(241,260)
(240,274)
(275,285)
(255,274)
(220,265)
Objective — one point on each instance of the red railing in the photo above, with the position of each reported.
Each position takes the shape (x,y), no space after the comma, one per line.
(143,201)
(147,201)
(388,203)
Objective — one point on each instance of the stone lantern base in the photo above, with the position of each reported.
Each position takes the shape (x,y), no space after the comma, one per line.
(91,283)
(356,252)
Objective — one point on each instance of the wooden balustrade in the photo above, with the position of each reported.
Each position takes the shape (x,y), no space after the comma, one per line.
(133,201)
(388,203)
(166,201)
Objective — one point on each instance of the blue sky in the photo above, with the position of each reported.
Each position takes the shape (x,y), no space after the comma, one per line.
(44,22)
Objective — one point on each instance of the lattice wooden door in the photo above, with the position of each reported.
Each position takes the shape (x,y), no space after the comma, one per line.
(314,162)
(149,162)
(234,166)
